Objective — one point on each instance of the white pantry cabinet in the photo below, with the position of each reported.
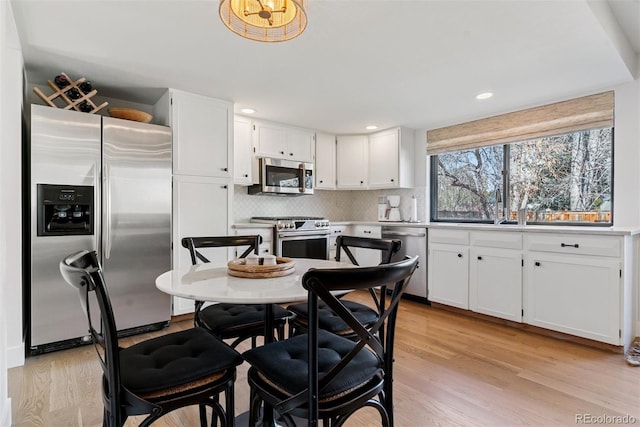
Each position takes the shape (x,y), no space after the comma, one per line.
(449,267)
(202,135)
(351,165)
(283,142)
(200,208)
(391,156)
(495,274)
(574,285)
(242,150)
(325,166)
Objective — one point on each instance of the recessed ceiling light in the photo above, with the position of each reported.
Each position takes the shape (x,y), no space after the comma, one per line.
(371,127)
(247,110)
(484,95)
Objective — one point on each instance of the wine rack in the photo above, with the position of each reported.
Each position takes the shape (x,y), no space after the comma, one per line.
(60,93)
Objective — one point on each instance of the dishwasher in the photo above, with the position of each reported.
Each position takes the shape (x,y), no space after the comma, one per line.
(414,242)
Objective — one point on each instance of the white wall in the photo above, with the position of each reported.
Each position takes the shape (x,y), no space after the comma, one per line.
(626,180)
(11,346)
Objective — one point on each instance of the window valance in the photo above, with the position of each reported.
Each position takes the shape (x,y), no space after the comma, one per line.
(588,112)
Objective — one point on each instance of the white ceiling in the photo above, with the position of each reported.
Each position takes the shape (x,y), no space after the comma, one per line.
(389,62)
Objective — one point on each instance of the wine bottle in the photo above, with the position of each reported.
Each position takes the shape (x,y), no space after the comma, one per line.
(61,81)
(73,93)
(86,87)
(85,107)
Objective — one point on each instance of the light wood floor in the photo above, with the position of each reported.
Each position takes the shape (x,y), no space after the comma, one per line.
(450,370)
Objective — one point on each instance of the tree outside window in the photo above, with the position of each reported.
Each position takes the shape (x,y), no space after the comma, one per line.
(559,179)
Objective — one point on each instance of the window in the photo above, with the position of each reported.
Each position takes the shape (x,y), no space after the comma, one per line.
(558,179)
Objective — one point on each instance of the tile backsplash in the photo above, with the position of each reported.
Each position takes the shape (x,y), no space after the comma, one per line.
(360,205)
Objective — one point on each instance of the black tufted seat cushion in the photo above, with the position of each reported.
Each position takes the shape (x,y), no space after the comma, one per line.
(330,321)
(224,317)
(174,360)
(284,364)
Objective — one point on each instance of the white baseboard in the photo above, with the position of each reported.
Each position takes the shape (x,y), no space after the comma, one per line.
(5,413)
(15,357)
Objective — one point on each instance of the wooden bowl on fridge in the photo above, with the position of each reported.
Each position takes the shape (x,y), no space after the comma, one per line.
(130,114)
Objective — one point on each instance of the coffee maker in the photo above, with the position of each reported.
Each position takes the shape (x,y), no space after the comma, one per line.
(383,208)
(394,208)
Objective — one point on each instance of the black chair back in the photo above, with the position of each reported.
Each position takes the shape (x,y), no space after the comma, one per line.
(320,283)
(195,243)
(387,247)
(82,271)
(355,371)
(157,375)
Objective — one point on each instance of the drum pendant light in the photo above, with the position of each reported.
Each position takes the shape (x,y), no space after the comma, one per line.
(264,20)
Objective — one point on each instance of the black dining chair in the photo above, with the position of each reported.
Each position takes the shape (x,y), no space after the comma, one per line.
(321,375)
(233,321)
(156,376)
(329,320)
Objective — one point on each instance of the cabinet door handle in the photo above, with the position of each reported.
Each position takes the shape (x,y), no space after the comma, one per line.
(361,182)
(225,169)
(537,264)
(459,255)
(282,152)
(223,186)
(480,258)
(291,154)
(321,181)
(564,245)
(391,179)
(367,232)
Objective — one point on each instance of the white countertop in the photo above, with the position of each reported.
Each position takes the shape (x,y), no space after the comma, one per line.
(616,231)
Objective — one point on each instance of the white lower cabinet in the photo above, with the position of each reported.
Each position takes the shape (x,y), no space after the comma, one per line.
(266,247)
(448,262)
(200,208)
(449,275)
(367,257)
(570,283)
(336,230)
(495,282)
(574,293)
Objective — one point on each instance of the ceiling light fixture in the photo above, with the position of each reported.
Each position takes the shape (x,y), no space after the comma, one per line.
(484,95)
(264,20)
(371,127)
(247,110)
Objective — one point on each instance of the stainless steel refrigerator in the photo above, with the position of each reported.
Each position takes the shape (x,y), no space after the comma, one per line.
(103,184)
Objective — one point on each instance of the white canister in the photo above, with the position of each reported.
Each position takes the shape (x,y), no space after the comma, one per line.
(269,260)
(251,259)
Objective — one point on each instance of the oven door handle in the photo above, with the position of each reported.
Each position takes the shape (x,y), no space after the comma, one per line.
(298,235)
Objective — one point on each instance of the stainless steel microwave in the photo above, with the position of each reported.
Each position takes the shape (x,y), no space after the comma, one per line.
(286,177)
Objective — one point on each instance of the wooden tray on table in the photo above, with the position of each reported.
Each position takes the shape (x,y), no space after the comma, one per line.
(238,268)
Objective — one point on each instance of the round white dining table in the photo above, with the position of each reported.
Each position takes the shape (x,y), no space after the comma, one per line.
(211,282)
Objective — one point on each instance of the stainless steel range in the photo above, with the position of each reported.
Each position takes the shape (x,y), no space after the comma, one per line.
(299,236)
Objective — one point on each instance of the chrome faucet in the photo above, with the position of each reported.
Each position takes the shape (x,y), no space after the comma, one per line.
(499,218)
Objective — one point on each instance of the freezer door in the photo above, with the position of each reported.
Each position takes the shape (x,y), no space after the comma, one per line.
(64,150)
(136,219)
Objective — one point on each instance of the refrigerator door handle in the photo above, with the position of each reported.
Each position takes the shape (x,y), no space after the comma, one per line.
(97,197)
(106,213)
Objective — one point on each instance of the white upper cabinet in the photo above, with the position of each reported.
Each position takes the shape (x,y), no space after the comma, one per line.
(325,166)
(283,142)
(391,159)
(352,157)
(242,150)
(202,135)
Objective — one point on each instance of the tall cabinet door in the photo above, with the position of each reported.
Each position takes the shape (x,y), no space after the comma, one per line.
(352,162)
(200,208)
(325,170)
(203,135)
